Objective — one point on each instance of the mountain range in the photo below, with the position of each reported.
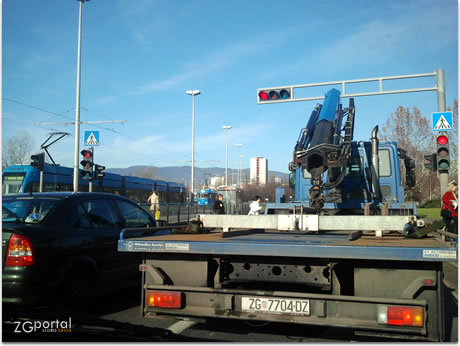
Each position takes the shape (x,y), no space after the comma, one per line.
(182,174)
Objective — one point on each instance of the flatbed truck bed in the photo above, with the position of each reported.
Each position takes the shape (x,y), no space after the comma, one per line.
(387,286)
(276,243)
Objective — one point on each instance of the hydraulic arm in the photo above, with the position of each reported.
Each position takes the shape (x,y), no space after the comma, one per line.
(321,147)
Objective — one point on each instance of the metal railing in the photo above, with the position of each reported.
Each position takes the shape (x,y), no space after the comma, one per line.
(180,212)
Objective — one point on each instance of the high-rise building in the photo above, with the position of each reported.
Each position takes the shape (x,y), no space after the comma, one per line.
(216,182)
(259,170)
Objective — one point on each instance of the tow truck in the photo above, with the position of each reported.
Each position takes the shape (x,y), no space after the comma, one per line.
(348,252)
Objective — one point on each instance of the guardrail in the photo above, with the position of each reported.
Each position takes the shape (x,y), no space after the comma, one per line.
(181,212)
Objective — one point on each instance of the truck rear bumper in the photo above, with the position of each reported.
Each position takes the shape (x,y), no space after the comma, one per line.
(363,313)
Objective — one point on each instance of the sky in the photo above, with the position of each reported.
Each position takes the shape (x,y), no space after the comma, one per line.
(138,58)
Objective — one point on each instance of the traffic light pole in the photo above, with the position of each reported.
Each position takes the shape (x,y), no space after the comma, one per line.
(90,183)
(440,87)
(263,97)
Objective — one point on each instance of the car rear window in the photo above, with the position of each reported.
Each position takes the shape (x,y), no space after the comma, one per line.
(27,210)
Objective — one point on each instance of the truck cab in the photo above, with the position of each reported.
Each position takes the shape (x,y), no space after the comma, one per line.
(355,190)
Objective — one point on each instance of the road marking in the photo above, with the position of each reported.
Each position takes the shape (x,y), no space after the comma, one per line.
(180,326)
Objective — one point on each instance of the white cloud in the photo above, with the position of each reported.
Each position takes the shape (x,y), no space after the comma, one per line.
(104,100)
(218,59)
(423,29)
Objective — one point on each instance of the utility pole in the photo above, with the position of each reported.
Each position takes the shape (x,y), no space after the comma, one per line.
(226,128)
(239,164)
(193,93)
(77,107)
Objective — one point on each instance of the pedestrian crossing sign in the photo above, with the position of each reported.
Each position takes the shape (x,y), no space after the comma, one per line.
(442,121)
(91,138)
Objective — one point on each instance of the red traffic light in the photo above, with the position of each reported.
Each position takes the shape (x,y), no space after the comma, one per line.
(442,140)
(263,96)
(274,94)
(86,154)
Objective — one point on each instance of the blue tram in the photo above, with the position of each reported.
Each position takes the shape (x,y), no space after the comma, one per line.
(25,179)
(206,196)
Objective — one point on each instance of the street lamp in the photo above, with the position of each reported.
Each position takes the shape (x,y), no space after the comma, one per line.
(239,164)
(77,106)
(192,185)
(226,128)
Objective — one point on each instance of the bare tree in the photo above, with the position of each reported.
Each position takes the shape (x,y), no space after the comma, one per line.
(412,131)
(16,149)
(145,172)
(453,147)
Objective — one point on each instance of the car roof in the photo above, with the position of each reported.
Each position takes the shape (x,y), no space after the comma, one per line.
(63,195)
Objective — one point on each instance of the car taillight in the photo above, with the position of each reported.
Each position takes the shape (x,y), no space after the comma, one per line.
(20,251)
(401,315)
(164,299)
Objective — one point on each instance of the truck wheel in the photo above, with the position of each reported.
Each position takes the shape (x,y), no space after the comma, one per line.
(80,289)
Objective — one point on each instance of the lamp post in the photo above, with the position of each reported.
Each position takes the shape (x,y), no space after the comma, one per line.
(239,164)
(77,106)
(226,128)
(192,185)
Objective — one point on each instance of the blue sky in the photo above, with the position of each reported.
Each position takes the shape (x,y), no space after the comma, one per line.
(140,56)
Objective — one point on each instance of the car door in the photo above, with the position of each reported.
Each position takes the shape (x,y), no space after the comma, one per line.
(101,224)
(133,216)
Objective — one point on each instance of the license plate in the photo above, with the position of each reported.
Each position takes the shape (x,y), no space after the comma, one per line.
(276,305)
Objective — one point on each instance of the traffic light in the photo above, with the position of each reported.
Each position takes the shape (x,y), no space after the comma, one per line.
(87,163)
(98,171)
(278,94)
(38,161)
(433,162)
(443,161)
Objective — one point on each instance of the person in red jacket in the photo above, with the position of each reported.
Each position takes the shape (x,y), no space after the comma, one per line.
(449,208)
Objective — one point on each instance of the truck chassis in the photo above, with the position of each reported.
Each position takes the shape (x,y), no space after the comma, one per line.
(386,286)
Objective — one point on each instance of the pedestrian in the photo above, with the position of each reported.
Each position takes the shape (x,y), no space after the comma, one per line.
(254,207)
(154,205)
(449,208)
(219,207)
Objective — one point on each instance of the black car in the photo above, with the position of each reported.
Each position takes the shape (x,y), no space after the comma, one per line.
(63,245)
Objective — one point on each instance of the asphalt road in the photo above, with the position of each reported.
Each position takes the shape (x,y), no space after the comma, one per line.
(118,318)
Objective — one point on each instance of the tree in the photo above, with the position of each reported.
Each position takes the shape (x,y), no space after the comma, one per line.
(145,172)
(17,149)
(453,147)
(412,132)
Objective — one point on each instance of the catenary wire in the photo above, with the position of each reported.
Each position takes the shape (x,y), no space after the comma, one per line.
(97,126)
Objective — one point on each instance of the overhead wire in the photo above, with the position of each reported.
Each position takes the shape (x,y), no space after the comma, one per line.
(97,126)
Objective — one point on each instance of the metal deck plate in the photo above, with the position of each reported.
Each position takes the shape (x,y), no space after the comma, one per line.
(285,244)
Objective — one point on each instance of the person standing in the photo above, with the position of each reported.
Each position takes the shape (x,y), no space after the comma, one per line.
(254,207)
(219,207)
(449,208)
(154,205)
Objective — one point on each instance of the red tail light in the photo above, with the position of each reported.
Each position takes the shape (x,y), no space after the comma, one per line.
(164,299)
(405,316)
(20,251)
